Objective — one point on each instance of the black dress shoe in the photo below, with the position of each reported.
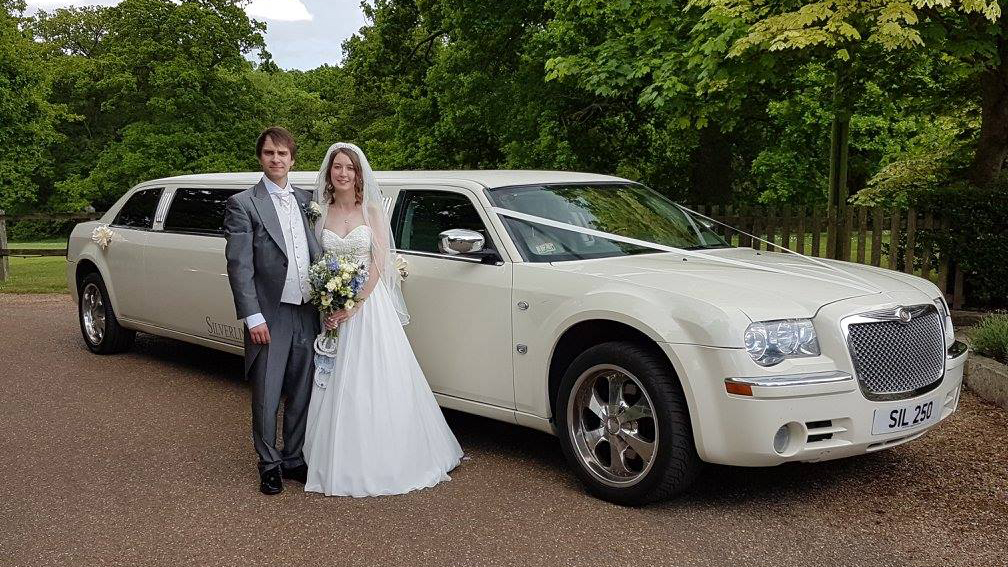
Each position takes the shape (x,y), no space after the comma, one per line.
(298,473)
(269,481)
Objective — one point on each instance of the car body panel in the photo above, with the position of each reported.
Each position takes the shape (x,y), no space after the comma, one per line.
(485,334)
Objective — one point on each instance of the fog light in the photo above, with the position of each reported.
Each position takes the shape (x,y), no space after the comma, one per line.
(781,439)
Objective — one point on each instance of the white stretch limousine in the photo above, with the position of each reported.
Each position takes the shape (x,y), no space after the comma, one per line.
(583,305)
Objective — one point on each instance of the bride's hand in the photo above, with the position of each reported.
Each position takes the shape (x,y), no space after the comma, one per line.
(337,317)
(333,321)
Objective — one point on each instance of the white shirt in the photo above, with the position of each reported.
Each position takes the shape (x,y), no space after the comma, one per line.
(296,289)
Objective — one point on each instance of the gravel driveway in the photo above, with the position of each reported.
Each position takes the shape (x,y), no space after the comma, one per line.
(146,458)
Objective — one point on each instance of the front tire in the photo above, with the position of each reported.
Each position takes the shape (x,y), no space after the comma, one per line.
(624,425)
(101,330)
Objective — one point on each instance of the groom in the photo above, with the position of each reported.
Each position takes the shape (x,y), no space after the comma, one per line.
(270,247)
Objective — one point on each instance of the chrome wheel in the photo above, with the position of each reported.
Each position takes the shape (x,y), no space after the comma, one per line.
(93,313)
(611,424)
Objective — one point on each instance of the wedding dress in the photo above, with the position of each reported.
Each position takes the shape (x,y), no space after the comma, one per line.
(374,426)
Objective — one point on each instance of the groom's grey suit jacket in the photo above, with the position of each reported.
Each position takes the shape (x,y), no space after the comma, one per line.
(257,254)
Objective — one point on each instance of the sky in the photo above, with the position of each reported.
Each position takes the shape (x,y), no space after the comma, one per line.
(301,34)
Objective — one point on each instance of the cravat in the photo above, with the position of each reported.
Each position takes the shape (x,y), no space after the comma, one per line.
(285,198)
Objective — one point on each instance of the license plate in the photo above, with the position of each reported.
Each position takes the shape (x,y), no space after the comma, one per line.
(907,416)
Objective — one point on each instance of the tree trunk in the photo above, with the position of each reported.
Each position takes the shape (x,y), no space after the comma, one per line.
(992,147)
(839,149)
(712,175)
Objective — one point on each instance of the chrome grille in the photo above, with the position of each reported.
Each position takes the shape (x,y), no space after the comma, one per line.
(895,359)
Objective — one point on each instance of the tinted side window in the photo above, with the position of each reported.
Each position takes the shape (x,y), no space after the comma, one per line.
(423,215)
(198,210)
(138,211)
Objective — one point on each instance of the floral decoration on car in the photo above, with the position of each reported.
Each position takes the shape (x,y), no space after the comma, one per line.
(402,266)
(102,236)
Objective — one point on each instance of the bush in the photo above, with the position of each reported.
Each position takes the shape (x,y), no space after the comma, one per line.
(976,240)
(991,337)
(30,230)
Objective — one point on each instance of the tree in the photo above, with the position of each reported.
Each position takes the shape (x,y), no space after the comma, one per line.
(26,116)
(854,38)
(157,87)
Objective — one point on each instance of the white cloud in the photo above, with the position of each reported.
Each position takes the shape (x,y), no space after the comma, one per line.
(279,10)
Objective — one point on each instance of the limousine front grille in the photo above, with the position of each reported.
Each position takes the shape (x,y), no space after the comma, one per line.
(895,359)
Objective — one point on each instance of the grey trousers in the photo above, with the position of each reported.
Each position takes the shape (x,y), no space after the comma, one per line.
(283,367)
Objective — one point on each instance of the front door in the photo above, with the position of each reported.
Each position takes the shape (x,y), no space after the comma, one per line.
(460,317)
(125,256)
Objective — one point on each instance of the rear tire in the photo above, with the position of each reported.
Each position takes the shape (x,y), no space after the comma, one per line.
(624,425)
(101,330)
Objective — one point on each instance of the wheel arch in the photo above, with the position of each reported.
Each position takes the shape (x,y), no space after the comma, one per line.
(87,265)
(587,333)
(84,267)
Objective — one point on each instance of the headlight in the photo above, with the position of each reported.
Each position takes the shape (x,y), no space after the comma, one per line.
(770,342)
(946,316)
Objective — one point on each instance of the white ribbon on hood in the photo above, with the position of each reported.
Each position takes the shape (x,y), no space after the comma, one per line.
(861,285)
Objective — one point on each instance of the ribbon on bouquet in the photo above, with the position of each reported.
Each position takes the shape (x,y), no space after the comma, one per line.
(850,280)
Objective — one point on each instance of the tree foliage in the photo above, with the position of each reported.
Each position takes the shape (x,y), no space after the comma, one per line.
(705,100)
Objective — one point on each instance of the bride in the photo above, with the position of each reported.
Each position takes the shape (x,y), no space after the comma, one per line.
(374,426)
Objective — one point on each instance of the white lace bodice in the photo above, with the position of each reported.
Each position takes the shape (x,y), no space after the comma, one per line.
(357,243)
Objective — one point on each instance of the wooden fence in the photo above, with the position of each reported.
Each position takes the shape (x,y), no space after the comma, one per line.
(30,252)
(861,234)
(903,240)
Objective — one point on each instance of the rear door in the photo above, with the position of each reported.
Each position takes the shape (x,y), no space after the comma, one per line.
(187,270)
(460,319)
(125,257)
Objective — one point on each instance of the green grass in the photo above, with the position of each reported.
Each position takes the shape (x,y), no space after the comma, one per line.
(990,337)
(36,275)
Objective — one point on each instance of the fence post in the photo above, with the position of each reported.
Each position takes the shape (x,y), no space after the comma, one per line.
(4,264)
(911,241)
(831,232)
(876,237)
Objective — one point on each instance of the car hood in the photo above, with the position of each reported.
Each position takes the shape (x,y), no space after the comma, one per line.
(792,287)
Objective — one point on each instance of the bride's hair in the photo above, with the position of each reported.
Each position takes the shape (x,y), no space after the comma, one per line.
(358,177)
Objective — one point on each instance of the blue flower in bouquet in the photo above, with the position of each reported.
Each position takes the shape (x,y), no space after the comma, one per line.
(357,283)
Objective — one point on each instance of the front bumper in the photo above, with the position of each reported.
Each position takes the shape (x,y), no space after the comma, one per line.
(827,415)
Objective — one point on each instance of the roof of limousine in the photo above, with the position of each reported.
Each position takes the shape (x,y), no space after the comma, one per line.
(487,178)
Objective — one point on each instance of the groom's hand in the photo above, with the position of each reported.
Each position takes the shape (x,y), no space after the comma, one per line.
(260,334)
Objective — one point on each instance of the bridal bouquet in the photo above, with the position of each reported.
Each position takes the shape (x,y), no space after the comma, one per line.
(335,282)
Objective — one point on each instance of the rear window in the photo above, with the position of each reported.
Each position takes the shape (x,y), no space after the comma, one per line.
(199,211)
(138,211)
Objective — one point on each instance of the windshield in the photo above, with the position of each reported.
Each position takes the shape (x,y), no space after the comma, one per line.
(622,209)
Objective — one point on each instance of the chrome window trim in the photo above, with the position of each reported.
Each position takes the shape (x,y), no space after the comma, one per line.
(162,210)
(804,379)
(889,315)
(447,257)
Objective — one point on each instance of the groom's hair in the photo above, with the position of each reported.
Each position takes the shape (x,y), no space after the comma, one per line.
(280,137)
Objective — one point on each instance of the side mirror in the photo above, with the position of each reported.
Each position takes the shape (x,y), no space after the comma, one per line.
(458,241)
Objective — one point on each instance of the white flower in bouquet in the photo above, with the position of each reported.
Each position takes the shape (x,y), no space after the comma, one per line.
(102,236)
